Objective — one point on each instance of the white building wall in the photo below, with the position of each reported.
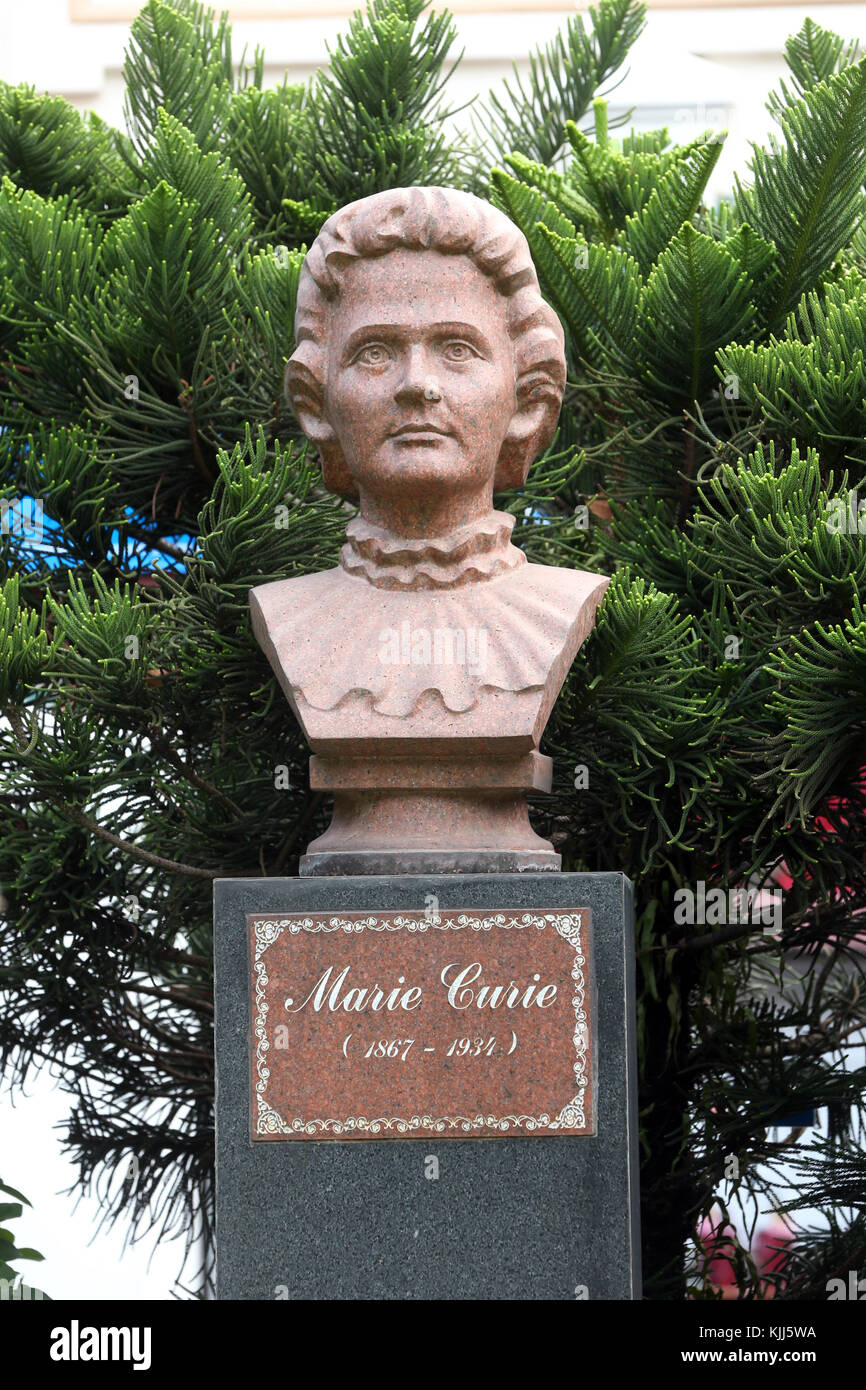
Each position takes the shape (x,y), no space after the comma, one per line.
(692,68)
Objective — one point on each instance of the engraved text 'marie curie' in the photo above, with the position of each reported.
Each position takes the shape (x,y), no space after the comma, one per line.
(332,992)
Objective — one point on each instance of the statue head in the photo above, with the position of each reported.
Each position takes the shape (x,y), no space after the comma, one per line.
(426,358)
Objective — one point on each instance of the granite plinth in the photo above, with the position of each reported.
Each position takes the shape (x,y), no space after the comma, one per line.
(537,1217)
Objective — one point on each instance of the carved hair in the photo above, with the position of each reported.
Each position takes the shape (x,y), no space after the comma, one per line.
(453,223)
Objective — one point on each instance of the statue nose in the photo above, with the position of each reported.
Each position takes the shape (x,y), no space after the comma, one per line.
(417,382)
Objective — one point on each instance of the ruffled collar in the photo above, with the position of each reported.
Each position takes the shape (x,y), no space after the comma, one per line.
(337,643)
(468,555)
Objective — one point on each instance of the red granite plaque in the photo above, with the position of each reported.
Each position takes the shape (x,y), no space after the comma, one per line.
(401,1025)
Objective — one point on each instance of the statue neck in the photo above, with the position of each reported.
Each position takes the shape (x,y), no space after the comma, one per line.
(470,554)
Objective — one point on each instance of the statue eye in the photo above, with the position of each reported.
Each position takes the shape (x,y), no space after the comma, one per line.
(459,352)
(373,355)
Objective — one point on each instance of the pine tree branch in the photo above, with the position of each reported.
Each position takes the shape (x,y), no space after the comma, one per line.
(197,454)
(171,995)
(315,803)
(180,957)
(72,813)
(158,1059)
(817,1042)
(167,1039)
(686,484)
(158,543)
(171,755)
(156,861)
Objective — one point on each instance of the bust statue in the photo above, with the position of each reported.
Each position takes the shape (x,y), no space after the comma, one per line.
(429,374)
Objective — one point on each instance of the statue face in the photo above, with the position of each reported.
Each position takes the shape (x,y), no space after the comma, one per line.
(420,378)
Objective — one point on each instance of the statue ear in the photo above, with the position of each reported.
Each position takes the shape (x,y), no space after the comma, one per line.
(532,427)
(305,393)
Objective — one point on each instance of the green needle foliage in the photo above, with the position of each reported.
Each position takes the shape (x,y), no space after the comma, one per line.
(12,1286)
(565,76)
(709,456)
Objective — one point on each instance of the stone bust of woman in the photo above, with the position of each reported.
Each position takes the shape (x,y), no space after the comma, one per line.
(429,374)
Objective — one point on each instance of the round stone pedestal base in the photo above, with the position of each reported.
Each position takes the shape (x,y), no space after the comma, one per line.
(474,861)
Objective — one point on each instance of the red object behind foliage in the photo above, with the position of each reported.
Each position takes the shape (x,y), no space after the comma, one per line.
(719,1244)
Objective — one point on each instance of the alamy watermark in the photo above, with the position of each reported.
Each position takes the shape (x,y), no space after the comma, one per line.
(17,1291)
(702,116)
(77,1343)
(436,646)
(719,907)
(22,517)
(853,1290)
(846,516)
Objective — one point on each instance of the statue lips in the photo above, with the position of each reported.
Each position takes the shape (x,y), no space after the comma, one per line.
(419,434)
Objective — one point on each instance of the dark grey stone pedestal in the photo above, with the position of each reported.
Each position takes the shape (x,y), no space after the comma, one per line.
(535,1217)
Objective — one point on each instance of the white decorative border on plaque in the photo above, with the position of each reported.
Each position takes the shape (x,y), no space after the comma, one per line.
(572,1116)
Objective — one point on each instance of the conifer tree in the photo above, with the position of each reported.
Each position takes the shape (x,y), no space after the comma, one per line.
(713,729)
